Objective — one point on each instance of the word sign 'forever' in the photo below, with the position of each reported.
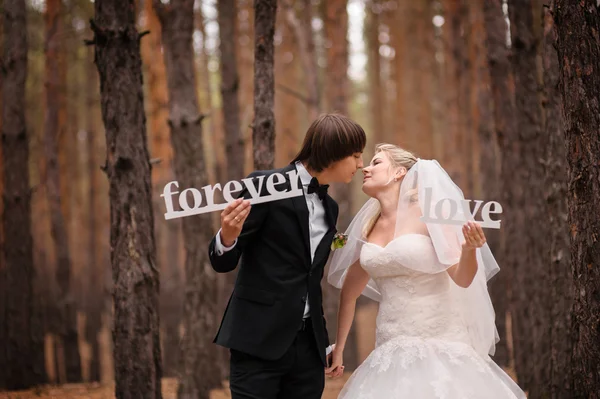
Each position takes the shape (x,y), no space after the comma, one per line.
(206,203)
(449,216)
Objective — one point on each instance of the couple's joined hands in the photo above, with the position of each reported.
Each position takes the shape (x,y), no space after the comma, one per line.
(335,360)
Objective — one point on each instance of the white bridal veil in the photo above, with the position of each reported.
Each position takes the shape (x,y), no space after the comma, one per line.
(428,186)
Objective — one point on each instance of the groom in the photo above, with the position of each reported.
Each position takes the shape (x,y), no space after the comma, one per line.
(274,324)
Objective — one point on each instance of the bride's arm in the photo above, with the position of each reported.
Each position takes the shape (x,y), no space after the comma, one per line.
(464,271)
(354,284)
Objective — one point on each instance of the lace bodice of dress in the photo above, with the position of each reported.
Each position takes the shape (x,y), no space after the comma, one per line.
(414,303)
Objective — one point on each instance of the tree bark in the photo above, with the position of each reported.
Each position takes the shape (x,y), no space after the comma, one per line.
(95,283)
(162,172)
(505,126)
(230,82)
(287,105)
(199,374)
(371,34)
(454,60)
(55,130)
(578,24)
(245,60)
(336,30)
(263,126)
(3,365)
(18,249)
(136,336)
(556,192)
(528,235)
(304,38)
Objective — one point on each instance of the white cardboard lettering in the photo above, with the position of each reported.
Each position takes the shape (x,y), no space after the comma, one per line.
(205,202)
(445,211)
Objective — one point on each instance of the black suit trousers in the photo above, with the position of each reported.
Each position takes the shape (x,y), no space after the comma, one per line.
(298,374)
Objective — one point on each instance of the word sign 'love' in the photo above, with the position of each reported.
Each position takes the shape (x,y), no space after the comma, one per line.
(449,215)
(228,189)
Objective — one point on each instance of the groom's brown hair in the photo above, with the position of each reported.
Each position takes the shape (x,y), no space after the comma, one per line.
(330,138)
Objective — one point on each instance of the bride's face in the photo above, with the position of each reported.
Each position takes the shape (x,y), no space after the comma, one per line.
(379,175)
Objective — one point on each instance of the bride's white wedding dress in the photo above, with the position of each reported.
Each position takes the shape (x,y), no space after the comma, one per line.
(422,349)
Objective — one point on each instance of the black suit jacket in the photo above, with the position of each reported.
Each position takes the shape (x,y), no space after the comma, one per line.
(265,310)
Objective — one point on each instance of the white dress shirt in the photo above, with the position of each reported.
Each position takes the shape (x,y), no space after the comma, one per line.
(317,223)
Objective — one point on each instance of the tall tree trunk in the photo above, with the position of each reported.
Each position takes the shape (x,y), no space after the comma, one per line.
(371,33)
(336,30)
(199,374)
(561,279)
(55,130)
(305,42)
(527,205)
(454,60)
(230,82)
(95,281)
(421,14)
(578,24)
(162,172)
(288,110)
(3,365)
(263,126)
(136,336)
(245,51)
(216,123)
(18,249)
(505,126)
(395,121)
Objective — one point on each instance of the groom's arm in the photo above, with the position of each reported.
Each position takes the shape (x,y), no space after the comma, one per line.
(225,259)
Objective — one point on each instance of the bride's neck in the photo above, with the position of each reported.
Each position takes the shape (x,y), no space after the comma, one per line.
(389,206)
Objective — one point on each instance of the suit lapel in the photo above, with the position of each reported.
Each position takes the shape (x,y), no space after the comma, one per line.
(302,215)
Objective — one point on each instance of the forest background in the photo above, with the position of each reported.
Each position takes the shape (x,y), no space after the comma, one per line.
(105,102)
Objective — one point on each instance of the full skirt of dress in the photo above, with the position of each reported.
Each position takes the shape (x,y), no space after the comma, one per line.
(428,368)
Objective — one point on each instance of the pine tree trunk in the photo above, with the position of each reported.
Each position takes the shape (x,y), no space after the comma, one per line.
(215,122)
(336,29)
(55,131)
(424,58)
(505,126)
(16,224)
(304,40)
(3,365)
(371,33)
(245,51)
(263,126)
(287,107)
(95,281)
(160,149)
(396,21)
(230,82)
(561,280)
(530,305)
(454,60)
(578,24)
(199,374)
(136,336)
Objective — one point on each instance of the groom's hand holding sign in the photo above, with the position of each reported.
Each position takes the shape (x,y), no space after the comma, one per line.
(232,220)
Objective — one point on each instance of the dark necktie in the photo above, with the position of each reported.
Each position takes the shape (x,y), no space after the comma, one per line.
(315,187)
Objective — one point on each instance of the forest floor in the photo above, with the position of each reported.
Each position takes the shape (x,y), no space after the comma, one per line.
(99,391)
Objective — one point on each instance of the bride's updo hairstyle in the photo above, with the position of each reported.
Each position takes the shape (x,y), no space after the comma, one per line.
(399,157)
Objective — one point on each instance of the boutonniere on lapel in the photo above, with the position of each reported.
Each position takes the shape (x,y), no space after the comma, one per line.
(339,240)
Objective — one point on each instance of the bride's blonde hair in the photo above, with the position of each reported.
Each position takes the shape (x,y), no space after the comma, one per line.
(399,157)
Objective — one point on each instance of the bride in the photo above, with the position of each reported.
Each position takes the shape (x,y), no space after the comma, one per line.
(435,326)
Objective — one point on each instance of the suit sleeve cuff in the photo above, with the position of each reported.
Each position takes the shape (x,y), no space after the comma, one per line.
(220,249)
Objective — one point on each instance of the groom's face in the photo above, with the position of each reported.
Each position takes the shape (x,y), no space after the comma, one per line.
(344,170)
